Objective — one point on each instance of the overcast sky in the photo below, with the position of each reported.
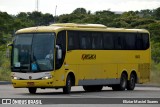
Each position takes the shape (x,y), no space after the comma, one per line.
(67,6)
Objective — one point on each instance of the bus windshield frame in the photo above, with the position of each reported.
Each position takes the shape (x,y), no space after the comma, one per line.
(33,52)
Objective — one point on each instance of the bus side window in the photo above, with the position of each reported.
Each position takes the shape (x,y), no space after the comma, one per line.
(145,38)
(73,40)
(85,40)
(119,41)
(97,41)
(130,41)
(139,43)
(108,41)
(61,41)
(70,41)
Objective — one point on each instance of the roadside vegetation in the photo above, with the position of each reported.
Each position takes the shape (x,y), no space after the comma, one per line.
(144,19)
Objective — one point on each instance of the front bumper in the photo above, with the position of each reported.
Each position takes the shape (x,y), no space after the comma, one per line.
(33,83)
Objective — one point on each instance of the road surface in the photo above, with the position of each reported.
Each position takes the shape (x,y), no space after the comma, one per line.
(7,91)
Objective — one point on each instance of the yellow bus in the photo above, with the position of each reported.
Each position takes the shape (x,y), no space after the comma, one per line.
(89,55)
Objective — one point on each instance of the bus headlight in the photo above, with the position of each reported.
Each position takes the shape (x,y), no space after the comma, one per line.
(47,77)
(15,78)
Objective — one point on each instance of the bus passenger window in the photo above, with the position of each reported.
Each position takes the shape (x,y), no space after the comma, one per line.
(145,38)
(97,42)
(130,41)
(70,42)
(85,40)
(61,41)
(73,40)
(108,41)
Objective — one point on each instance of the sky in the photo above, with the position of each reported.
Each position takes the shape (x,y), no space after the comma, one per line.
(67,6)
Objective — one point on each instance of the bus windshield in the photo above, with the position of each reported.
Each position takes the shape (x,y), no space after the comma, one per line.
(33,52)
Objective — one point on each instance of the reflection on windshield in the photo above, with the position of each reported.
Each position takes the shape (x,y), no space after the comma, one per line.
(33,52)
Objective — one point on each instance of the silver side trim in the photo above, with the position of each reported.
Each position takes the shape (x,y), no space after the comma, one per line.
(99,82)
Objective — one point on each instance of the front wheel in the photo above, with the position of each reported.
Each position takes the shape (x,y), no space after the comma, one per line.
(67,88)
(32,90)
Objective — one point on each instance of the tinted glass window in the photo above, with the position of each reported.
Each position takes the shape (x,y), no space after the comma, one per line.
(139,42)
(119,40)
(142,41)
(85,40)
(108,41)
(61,41)
(97,41)
(145,38)
(130,41)
(73,40)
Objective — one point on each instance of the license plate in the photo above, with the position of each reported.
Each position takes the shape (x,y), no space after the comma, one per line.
(30,83)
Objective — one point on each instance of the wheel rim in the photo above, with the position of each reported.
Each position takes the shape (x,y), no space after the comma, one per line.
(69,84)
(132,81)
(124,82)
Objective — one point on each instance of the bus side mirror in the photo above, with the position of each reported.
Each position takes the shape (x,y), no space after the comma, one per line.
(59,52)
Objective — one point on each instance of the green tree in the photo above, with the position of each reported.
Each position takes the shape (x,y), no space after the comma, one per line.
(156,52)
(146,13)
(156,13)
(79,11)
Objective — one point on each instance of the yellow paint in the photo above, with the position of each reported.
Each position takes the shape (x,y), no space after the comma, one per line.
(108,64)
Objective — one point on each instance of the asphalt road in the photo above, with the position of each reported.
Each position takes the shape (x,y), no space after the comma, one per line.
(7,91)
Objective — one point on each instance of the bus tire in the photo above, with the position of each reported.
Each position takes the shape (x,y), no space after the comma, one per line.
(32,90)
(67,88)
(123,82)
(131,83)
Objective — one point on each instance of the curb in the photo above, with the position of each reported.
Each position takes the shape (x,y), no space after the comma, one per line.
(147,85)
(5,82)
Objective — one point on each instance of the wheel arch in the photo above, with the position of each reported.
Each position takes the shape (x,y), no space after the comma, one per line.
(125,72)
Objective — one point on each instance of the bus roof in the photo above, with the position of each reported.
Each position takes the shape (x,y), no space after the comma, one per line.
(73,26)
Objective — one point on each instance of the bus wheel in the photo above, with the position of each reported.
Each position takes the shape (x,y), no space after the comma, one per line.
(32,90)
(123,82)
(131,83)
(67,88)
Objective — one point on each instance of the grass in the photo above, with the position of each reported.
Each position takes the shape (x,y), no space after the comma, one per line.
(4,67)
(155,73)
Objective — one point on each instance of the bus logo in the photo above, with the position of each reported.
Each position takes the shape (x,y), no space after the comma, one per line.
(88,56)
(30,77)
